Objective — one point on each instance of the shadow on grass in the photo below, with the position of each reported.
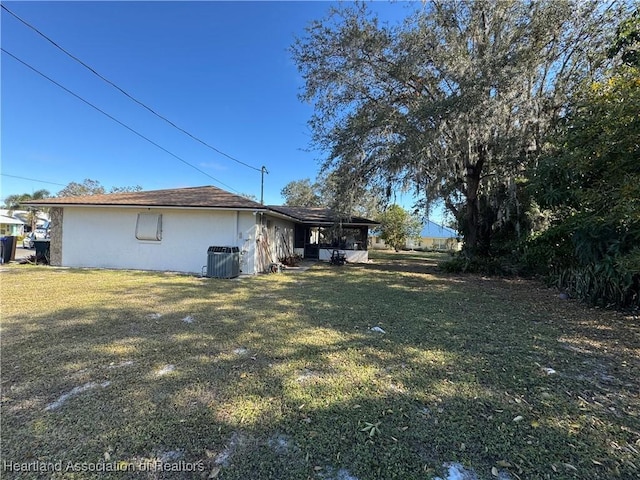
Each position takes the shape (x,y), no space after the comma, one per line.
(279,377)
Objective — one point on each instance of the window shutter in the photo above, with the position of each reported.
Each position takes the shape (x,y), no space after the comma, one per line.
(149,227)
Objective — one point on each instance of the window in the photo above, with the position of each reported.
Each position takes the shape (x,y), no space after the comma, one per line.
(149,227)
(440,244)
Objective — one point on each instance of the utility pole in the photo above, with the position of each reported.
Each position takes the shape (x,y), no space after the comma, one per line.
(263,170)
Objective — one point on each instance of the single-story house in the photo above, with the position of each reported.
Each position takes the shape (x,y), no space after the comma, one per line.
(433,236)
(172,230)
(10,225)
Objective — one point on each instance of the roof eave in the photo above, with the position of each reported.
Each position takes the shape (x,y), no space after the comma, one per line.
(119,205)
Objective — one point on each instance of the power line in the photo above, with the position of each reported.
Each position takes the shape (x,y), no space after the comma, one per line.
(127,94)
(115,119)
(32,179)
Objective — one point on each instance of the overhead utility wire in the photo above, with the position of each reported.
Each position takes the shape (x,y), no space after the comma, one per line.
(31,179)
(115,119)
(128,95)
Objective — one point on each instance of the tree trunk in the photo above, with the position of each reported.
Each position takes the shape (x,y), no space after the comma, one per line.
(472,214)
(476,242)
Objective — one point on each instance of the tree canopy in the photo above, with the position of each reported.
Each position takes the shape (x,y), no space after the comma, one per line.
(17,202)
(397,226)
(325,192)
(454,102)
(590,180)
(627,40)
(92,187)
(302,193)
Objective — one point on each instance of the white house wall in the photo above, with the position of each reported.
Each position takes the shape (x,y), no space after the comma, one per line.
(105,238)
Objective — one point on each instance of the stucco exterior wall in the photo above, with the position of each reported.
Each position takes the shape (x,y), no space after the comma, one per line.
(105,237)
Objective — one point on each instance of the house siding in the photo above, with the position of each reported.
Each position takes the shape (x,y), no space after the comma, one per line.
(105,237)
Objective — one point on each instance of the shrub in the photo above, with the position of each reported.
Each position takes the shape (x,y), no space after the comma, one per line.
(596,262)
(484,265)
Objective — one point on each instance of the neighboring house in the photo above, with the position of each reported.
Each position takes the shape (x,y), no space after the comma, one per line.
(23,216)
(10,226)
(168,230)
(433,236)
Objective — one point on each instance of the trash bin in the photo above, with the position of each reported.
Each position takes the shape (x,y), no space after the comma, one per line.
(8,249)
(223,262)
(42,249)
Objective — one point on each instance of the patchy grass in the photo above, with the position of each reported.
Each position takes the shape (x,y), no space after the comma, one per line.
(281,376)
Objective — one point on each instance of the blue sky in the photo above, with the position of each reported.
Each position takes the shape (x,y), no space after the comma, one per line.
(219,70)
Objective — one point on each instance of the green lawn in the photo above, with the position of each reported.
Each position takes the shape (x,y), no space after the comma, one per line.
(280,376)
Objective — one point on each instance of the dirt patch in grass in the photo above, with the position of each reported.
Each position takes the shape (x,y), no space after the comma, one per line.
(281,376)
(60,401)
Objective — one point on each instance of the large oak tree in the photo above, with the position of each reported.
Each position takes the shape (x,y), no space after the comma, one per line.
(453,102)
